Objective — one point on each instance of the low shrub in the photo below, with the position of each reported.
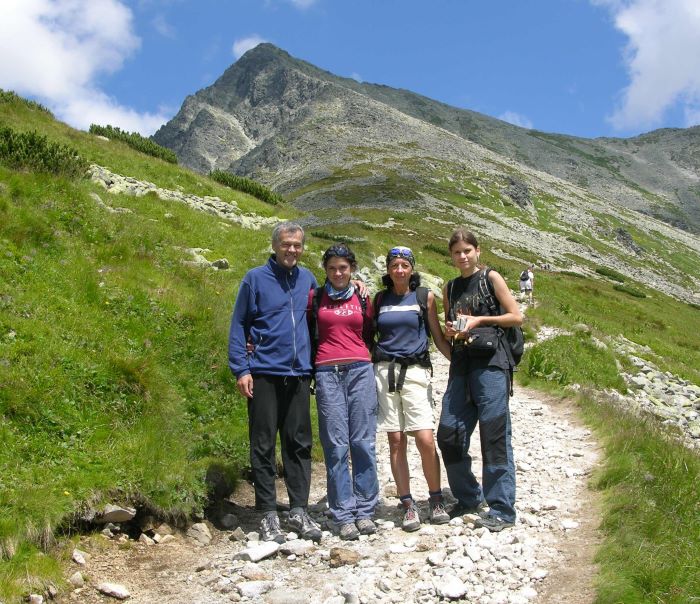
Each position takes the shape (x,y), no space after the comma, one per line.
(339,238)
(135,141)
(574,359)
(438,249)
(7,96)
(33,151)
(629,290)
(610,274)
(246,185)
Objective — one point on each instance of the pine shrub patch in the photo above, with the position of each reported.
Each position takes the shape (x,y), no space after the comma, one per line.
(135,141)
(246,185)
(33,151)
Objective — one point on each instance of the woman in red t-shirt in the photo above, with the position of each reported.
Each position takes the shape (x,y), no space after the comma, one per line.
(346,395)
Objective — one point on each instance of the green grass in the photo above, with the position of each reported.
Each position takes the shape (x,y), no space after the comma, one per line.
(135,141)
(567,360)
(665,325)
(113,375)
(247,185)
(651,521)
(610,273)
(113,371)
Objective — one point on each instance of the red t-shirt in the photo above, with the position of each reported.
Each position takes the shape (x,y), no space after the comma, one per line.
(342,330)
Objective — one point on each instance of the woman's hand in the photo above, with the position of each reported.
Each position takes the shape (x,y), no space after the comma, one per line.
(470,322)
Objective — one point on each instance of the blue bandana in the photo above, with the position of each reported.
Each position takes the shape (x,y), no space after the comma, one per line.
(343,294)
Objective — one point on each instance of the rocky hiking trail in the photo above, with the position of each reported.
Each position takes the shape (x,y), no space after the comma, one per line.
(546,557)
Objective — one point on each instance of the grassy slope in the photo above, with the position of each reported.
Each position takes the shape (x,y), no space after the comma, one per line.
(113,374)
(115,384)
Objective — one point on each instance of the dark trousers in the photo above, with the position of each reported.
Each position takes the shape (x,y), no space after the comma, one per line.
(280,404)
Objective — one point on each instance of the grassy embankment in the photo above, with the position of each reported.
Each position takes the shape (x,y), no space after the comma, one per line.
(115,385)
(649,482)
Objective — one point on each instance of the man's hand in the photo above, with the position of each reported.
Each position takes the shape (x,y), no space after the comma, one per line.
(245,385)
(360,287)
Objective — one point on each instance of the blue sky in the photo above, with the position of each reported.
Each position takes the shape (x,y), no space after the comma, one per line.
(583,67)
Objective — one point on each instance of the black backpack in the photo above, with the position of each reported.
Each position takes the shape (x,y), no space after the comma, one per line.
(525,276)
(313,319)
(513,336)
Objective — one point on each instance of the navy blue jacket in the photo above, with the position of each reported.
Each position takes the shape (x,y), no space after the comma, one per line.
(271,310)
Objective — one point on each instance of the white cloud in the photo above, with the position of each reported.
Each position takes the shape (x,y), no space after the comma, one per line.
(55,50)
(356,76)
(243,45)
(662,58)
(164,28)
(302,4)
(516,119)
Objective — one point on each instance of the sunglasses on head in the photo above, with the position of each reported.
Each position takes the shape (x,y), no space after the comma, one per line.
(400,252)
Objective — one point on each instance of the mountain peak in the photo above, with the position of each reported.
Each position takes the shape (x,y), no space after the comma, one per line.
(287,122)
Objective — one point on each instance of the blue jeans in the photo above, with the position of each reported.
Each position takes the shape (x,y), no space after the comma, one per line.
(480,395)
(346,396)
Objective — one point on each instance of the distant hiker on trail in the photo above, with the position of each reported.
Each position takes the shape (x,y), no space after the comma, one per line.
(478,388)
(527,283)
(346,396)
(270,312)
(405,314)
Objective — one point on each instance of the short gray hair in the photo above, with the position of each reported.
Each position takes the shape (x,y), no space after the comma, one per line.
(286,227)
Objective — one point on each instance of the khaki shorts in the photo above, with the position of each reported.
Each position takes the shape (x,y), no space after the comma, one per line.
(408,410)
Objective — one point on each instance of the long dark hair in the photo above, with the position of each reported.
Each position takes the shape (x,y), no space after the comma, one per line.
(462,234)
(413,281)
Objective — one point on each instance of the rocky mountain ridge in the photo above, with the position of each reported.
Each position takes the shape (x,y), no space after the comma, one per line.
(352,155)
(270,112)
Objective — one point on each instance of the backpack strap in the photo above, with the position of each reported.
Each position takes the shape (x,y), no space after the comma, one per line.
(313,320)
(376,303)
(422,298)
(488,295)
(450,287)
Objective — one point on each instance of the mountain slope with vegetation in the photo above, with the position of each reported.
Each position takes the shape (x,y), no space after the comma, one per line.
(270,112)
(113,374)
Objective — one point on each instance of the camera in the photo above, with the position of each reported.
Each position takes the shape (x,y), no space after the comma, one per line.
(459,323)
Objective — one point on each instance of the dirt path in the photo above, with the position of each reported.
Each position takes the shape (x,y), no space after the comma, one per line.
(546,557)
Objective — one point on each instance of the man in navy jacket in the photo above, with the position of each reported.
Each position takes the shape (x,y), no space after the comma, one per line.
(274,374)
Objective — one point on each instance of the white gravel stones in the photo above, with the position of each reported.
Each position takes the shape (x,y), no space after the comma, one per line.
(263,549)
(200,533)
(79,557)
(254,589)
(114,590)
(435,564)
(229,211)
(450,587)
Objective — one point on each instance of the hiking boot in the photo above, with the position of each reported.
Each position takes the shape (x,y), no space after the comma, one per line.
(438,513)
(304,525)
(349,532)
(411,519)
(494,523)
(460,510)
(366,526)
(270,529)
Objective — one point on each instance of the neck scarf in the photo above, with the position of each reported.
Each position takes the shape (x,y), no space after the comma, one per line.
(342,294)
